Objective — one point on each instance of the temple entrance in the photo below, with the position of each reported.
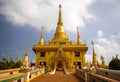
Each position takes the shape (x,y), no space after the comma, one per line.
(59,66)
(42,63)
(77,65)
(60,62)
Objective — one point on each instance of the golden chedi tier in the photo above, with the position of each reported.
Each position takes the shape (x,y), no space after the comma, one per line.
(60,33)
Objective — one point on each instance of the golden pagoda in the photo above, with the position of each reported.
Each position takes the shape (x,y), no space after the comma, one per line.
(25,62)
(95,62)
(60,53)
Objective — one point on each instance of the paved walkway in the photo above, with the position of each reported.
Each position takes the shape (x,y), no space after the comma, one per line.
(59,76)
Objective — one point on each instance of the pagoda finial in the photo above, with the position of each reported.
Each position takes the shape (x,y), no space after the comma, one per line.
(27,45)
(60,33)
(41,42)
(93,48)
(94,60)
(78,37)
(60,6)
(25,62)
(60,23)
(42,29)
(60,16)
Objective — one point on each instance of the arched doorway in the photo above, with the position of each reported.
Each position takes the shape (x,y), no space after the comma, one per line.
(77,65)
(59,66)
(60,62)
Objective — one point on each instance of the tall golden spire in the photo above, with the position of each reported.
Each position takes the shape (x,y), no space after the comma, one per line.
(25,62)
(93,48)
(94,60)
(60,34)
(78,37)
(60,16)
(41,42)
(60,23)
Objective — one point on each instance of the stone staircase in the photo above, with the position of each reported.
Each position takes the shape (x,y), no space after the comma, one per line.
(59,76)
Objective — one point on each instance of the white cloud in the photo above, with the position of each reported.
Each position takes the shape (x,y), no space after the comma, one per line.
(88,57)
(108,47)
(45,13)
(100,33)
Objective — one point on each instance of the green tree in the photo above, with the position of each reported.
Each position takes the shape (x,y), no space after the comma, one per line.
(114,64)
(10,64)
(18,64)
(3,65)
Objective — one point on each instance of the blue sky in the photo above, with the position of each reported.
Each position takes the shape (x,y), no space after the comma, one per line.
(21,21)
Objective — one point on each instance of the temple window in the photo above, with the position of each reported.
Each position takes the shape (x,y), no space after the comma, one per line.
(42,54)
(77,54)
